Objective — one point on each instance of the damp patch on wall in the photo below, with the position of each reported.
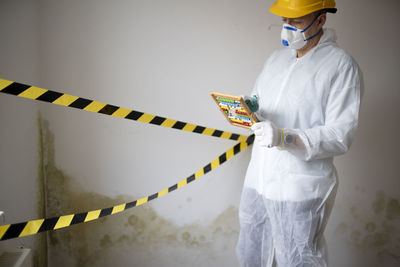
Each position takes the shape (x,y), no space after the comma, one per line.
(40,243)
(137,237)
(378,233)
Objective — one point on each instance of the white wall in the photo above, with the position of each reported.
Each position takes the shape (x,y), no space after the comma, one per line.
(164,57)
(18,61)
(20,188)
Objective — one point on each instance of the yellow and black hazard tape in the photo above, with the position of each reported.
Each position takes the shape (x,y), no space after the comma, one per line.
(41,225)
(36,93)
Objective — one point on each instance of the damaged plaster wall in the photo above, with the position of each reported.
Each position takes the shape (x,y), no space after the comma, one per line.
(138,237)
(378,232)
(145,56)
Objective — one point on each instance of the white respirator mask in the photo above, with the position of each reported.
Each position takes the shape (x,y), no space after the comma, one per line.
(295,38)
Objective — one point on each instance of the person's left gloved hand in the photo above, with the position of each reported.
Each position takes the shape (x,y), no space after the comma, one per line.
(251,102)
(267,134)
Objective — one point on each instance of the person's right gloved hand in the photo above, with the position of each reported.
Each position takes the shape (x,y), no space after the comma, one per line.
(251,102)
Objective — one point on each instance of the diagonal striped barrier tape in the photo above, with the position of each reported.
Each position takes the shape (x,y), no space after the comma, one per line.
(36,93)
(41,225)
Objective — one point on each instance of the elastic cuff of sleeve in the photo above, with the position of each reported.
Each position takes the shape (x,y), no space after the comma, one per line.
(307,146)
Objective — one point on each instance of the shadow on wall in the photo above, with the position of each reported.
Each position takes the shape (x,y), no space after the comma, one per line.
(137,237)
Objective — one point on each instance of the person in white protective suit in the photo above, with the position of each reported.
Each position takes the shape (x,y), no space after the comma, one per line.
(308,98)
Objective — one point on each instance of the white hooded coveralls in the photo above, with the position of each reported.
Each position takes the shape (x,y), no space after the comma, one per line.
(288,193)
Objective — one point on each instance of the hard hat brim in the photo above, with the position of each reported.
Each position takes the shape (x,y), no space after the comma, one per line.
(286,12)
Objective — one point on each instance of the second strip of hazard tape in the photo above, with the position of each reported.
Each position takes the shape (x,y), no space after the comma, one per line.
(36,93)
(33,227)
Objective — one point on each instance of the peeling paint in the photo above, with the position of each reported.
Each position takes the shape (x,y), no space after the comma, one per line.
(137,237)
(379,233)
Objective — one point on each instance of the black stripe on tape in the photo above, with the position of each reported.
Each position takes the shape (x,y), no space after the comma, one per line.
(234,137)
(157,120)
(48,224)
(179,125)
(217,133)
(222,158)
(105,212)
(49,96)
(80,103)
(236,149)
(134,115)
(130,204)
(14,230)
(207,168)
(199,129)
(250,139)
(108,109)
(79,218)
(172,188)
(153,196)
(15,88)
(190,178)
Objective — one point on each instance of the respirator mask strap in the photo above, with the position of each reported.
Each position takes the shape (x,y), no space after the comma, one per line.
(309,38)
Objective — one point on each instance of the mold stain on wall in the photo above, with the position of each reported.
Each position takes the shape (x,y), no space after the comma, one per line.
(137,237)
(379,233)
(40,241)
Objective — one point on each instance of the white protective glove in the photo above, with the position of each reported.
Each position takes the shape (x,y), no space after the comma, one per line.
(267,134)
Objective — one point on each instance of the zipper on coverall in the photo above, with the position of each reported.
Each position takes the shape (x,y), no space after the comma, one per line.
(262,158)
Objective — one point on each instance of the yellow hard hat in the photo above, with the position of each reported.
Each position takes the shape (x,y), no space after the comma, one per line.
(299,8)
